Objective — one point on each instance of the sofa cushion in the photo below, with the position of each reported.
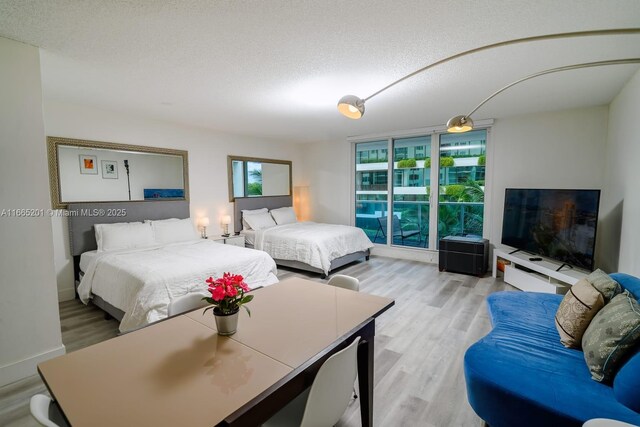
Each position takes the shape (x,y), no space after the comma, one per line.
(611,335)
(520,374)
(578,307)
(628,282)
(627,382)
(523,310)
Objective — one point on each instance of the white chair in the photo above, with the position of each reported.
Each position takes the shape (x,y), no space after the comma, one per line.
(346,282)
(604,422)
(40,410)
(328,397)
(185,303)
(350,283)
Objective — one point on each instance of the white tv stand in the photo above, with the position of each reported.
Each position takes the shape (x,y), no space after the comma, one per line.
(542,278)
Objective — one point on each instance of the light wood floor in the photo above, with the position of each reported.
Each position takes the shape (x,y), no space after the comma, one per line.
(420,343)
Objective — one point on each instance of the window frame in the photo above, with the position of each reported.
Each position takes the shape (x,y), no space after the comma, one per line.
(434,132)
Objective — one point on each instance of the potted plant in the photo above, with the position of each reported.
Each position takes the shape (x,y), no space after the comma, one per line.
(227,296)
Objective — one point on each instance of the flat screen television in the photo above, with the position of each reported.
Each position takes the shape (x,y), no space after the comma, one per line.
(558,224)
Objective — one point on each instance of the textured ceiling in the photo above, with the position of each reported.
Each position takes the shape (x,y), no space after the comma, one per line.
(276,68)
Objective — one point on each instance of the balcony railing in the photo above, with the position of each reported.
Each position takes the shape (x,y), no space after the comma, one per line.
(371,187)
(454,218)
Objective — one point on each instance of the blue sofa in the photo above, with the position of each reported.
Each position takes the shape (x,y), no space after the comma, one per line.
(521,375)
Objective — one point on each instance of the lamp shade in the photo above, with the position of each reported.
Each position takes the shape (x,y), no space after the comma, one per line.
(351,106)
(301,202)
(226,219)
(459,124)
(203,222)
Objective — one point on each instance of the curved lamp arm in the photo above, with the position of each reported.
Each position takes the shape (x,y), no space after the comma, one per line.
(459,124)
(353,107)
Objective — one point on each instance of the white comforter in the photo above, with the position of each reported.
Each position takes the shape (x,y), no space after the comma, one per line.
(142,282)
(311,243)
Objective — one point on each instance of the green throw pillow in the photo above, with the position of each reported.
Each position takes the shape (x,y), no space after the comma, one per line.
(610,335)
(608,287)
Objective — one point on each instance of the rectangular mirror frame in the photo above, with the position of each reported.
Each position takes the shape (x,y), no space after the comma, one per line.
(231,159)
(53,142)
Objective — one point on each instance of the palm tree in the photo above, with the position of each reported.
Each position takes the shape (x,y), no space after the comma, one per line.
(462,219)
(473,192)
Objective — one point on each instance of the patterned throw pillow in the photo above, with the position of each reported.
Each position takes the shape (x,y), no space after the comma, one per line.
(608,287)
(580,304)
(614,330)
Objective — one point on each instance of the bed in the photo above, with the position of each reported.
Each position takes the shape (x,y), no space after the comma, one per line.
(309,246)
(135,285)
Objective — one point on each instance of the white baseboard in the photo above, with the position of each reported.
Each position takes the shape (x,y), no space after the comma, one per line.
(66,294)
(421,255)
(27,367)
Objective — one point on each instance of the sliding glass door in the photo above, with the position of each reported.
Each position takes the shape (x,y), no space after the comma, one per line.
(372,169)
(411,182)
(461,189)
(410,192)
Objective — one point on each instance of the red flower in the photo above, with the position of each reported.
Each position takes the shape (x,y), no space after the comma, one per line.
(217,293)
(227,292)
(232,291)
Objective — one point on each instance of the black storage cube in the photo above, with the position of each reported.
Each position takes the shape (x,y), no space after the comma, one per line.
(468,255)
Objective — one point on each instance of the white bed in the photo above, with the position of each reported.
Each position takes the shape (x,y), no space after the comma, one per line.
(86,259)
(249,237)
(311,243)
(141,282)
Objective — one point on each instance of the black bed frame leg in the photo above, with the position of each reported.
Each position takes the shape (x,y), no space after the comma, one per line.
(323,276)
(107,316)
(367,257)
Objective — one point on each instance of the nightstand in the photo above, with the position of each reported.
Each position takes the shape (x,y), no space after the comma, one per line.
(231,240)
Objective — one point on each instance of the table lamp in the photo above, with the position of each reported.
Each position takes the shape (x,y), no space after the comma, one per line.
(226,220)
(203,223)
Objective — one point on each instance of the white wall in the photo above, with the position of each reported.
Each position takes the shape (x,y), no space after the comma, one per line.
(208,152)
(619,231)
(29,318)
(562,149)
(146,171)
(328,167)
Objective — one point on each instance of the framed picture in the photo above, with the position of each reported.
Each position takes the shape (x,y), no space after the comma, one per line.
(109,169)
(88,165)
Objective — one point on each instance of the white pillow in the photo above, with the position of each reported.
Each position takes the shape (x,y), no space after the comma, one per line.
(245,224)
(123,235)
(259,221)
(284,215)
(174,231)
(161,220)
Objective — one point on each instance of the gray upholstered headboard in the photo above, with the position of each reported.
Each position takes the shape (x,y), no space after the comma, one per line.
(83,216)
(269,202)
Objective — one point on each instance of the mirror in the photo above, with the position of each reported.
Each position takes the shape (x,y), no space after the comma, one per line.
(255,177)
(91,171)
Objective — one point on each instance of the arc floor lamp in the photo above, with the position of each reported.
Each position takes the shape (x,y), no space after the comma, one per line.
(352,106)
(460,124)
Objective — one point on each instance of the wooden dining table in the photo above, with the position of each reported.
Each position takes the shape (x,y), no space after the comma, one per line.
(181,372)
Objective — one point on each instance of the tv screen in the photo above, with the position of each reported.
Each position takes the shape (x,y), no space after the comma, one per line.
(559,224)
